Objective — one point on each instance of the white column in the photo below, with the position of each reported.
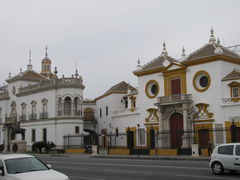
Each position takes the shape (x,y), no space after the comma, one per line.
(5,136)
(163,139)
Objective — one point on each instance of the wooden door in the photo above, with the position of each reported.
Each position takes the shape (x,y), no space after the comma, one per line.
(176,129)
(176,86)
(203,135)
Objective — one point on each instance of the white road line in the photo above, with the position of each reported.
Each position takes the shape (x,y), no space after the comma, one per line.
(130,172)
(78,168)
(128,165)
(86,178)
(208,177)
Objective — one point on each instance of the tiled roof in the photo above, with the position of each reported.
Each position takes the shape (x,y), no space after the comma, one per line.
(235,74)
(120,87)
(28,76)
(209,50)
(156,63)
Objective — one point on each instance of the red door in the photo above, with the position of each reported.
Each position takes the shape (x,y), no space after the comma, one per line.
(203,138)
(176,86)
(176,129)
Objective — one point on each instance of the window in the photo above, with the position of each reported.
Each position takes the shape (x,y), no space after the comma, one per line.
(152,89)
(142,136)
(44,135)
(0,115)
(235,92)
(106,110)
(201,81)
(76,129)
(125,99)
(238,150)
(227,150)
(100,112)
(33,135)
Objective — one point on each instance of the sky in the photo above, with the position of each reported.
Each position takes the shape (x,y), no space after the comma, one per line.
(104,39)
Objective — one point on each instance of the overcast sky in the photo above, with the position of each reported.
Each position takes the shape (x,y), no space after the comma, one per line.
(106,37)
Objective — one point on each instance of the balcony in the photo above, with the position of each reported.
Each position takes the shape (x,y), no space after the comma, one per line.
(125,112)
(230,101)
(44,115)
(174,99)
(11,120)
(33,116)
(4,95)
(22,117)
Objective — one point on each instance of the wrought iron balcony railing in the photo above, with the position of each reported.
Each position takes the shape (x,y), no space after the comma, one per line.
(33,116)
(22,117)
(44,115)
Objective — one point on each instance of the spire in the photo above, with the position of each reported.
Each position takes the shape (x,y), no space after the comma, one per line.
(9,75)
(29,66)
(164,51)
(76,74)
(55,71)
(46,53)
(139,67)
(212,38)
(20,70)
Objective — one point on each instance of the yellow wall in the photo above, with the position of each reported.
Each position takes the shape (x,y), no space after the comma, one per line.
(79,151)
(163,152)
(119,151)
(203,126)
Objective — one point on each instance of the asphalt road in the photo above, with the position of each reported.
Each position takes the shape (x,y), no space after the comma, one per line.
(79,167)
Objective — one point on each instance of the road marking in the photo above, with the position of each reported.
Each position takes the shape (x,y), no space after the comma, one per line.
(208,177)
(87,178)
(128,165)
(132,172)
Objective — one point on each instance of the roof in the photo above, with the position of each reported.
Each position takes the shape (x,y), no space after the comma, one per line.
(211,49)
(28,75)
(121,87)
(235,74)
(13,156)
(155,64)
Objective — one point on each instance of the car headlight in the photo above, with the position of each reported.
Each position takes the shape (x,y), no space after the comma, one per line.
(67,178)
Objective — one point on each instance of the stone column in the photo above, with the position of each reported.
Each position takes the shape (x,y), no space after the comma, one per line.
(163,138)
(185,138)
(5,136)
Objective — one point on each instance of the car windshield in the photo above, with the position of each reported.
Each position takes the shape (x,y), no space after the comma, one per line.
(21,165)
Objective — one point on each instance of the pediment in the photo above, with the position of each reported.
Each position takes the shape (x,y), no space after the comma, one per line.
(174,66)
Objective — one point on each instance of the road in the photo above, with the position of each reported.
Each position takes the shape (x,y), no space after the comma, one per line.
(79,167)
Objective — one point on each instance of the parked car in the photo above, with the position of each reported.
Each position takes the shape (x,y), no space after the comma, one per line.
(26,167)
(225,157)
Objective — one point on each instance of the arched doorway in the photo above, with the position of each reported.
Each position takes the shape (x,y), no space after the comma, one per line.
(88,114)
(176,130)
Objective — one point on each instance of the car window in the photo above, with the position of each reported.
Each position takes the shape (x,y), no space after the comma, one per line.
(238,150)
(227,150)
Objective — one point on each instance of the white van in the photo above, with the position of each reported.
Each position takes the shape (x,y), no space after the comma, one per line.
(225,157)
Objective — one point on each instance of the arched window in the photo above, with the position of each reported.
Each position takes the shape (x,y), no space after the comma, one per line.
(76,109)
(67,106)
(59,107)
(33,114)
(88,114)
(44,113)
(23,117)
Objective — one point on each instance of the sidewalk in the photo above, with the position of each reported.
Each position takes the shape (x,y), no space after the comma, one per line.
(179,157)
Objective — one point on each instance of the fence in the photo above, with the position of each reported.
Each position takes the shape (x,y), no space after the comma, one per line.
(141,140)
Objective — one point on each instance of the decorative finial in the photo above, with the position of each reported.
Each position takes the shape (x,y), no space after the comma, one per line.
(212,38)
(164,51)
(21,70)
(55,71)
(139,61)
(218,41)
(76,74)
(30,56)
(9,74)
(183,51)
(46,53)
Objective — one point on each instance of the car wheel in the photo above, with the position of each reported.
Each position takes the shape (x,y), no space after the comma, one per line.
(217,168)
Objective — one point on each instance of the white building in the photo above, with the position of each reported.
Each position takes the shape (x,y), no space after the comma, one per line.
(189,98)
(45,105)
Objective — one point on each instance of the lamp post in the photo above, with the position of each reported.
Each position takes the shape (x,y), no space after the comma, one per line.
(138,125)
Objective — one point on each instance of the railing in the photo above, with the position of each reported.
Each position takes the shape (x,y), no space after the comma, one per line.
(174,98)
(22,117)
(33,116)
(69,113)
(11,119)
(44,115)
(128,111)
(230,101)
(52,83)
(4,95)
